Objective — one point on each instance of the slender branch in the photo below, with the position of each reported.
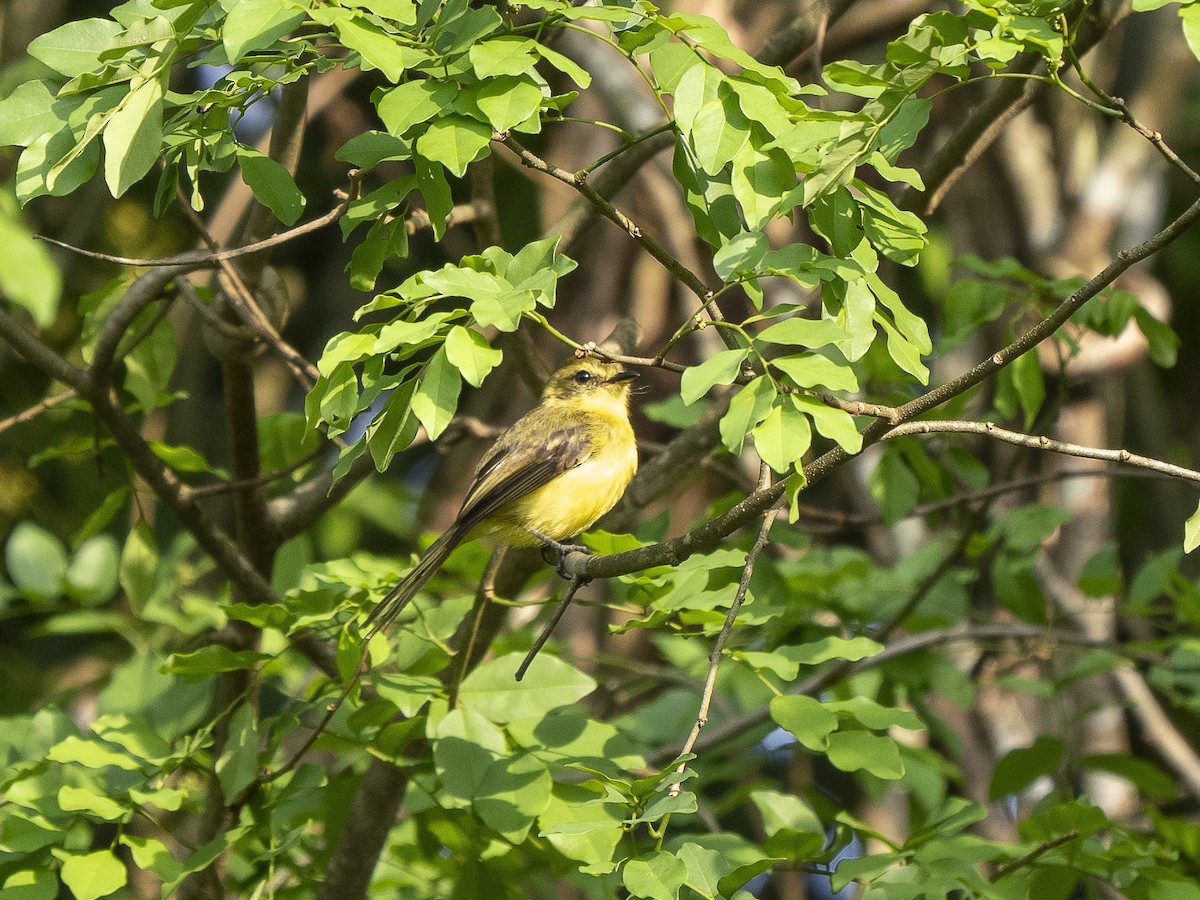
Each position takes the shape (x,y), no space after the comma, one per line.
(718,650)
(245,306)
(146,289)
(1041,442)
(579,182)
(838,519)
(36,410)
(209,259)
(1031,857)
(548,628)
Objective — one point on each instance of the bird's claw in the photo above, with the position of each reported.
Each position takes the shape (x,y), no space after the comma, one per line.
(560,550)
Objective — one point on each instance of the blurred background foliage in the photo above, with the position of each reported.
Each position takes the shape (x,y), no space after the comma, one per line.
(944,767)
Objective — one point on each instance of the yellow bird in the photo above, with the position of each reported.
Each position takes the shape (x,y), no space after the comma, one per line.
(558,469)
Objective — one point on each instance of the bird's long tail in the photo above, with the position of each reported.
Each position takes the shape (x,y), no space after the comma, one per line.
(393,603)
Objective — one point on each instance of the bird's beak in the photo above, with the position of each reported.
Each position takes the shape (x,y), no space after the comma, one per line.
(623,375)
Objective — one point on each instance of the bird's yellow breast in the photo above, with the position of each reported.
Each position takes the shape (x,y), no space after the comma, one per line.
(572,502)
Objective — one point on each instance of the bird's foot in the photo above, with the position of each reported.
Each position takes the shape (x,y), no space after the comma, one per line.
(560,550)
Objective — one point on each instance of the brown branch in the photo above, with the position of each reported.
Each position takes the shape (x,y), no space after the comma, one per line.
(1041,442)
(208,259)
(36,410)
(718,650)
(576,180)
(146,289)
(370,818)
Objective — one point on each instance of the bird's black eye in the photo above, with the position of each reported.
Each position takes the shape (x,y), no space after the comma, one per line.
(583,377)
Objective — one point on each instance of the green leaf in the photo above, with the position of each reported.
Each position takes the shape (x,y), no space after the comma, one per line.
(27,114)
(470,353)
(72,49)
(96,806)
(748,407)
(1190,15)
(138,572)
(412,103)
(91,576)
(720,368)
(369,148)
(656,876)
(36,561)
(894,487)
(237,766)
(875,716)
(436,397)
(93,875)
(508,54)
(719,131)
(1022,767)
(566,65)
(149,366)
(507,101)
(806,718)
(852,751)
(493,690)
(151,854)
(513,792)
(212,660)
(91,754)
(255,24)
(812,370)
(832,647)
(811,333)
(1162,339)
(28,276)
(761,181)
(28,884)
(836,424)
(466,744)
(133,136)
(898,234)
(1191,532)
(455,142)
(431,179)
(395,427)
(385,239)
(272,184)
(377,49)
(782,438)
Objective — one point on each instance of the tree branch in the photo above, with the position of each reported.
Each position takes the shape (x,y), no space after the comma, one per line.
(1041,442)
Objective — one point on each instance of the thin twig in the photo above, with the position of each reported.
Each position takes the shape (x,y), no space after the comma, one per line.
(548,629)
(208,259)
(222,487)
(36,410)
(579,182)
(1041,442)
(1033,855)
(718,650)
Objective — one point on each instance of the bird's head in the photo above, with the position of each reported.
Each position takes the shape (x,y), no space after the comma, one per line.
(590,380)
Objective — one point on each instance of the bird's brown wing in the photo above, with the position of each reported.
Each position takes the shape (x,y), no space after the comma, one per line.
(513,468)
